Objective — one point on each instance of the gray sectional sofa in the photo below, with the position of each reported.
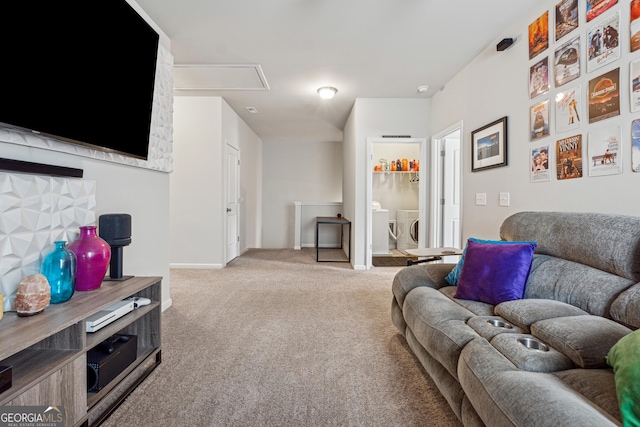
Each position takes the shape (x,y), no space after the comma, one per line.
(539,360)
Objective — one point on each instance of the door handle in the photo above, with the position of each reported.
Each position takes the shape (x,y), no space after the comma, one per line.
(228,209)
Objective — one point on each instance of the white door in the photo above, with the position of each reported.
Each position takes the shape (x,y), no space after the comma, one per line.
(446,208)
(232,192)
(451,191)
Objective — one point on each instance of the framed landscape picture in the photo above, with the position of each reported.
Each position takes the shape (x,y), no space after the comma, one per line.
(489,146)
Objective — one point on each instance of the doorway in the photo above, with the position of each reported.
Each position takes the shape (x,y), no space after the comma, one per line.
(446,188)
(418,179)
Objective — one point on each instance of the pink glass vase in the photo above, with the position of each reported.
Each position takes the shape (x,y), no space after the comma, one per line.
(93,255)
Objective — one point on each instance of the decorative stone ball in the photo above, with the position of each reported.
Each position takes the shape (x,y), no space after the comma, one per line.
(34,294)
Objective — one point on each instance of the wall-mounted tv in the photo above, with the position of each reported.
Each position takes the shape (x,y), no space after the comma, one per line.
(78,71)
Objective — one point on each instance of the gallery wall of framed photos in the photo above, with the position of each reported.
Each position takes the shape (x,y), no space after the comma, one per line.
(576,53)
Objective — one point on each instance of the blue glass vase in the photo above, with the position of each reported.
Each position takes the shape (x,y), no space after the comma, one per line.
(59,267)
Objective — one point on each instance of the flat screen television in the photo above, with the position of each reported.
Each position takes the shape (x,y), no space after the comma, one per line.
(79,71)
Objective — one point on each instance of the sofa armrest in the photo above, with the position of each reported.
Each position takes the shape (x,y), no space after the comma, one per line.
(430,275)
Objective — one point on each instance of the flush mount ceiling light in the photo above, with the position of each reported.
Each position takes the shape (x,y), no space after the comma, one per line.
(423,89)
(327,92)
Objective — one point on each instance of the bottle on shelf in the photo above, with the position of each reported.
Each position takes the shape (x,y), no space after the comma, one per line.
(405,165)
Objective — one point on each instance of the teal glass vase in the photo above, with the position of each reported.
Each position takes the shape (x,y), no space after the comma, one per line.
(59,267)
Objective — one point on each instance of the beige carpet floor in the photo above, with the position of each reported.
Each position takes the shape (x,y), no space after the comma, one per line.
(276,339)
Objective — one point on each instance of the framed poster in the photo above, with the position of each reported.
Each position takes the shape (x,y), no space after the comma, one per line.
(596,8)
(604,96)
(489,146)
(539,78)
(566,63)
(566,17)
(539,170)
(568,110)
(569,157)
(539,35)
(635,145)
(539,115)
(604,151)
(603,42)
(634,25)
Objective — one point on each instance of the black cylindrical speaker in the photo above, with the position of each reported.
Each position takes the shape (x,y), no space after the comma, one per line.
(115,229)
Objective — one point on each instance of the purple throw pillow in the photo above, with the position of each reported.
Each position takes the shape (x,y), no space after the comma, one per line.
(495,273)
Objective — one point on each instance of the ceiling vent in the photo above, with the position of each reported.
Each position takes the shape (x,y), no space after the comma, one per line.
(202,77)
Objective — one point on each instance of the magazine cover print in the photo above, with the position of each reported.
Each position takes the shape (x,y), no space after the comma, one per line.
(539,117)
(566,63)
(569,157)
(566,17)
(539,35)
(540,164)
(635,145)
(596,8)
(603,42)
(604,96)
(604,151)
(539,78)
(568,110)
(634,25)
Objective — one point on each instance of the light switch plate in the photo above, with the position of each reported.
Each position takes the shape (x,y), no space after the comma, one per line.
(505,199)
(481,199)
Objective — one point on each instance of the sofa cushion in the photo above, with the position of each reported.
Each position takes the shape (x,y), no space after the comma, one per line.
(597,385)
(454,276)
(439,325)
(624,357)
(525,312)
(476,307)
(506,396)
(606,242)
(584,339)
(626,307)
(495,273)
(585,287)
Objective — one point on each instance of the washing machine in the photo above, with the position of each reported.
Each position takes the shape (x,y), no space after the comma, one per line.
(407,221)
(379,230)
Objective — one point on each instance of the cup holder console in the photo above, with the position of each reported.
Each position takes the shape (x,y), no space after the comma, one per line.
(500,324)
(533,344)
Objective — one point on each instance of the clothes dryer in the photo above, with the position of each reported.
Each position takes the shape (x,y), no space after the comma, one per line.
(407,223)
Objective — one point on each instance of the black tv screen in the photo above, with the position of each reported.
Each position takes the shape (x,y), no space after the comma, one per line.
(79,71)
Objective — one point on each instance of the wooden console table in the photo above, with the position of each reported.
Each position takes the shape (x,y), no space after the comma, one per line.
(48,351)
(333,221)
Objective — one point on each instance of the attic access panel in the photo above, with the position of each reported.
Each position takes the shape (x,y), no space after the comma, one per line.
(219,77)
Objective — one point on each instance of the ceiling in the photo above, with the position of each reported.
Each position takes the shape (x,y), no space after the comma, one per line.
(273,55)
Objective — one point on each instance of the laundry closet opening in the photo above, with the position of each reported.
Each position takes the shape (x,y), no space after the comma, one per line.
(396,179)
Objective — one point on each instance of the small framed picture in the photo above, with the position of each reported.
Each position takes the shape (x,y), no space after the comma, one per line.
(489,146)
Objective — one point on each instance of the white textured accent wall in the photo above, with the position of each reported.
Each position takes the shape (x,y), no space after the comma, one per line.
(35,212)
(161,135)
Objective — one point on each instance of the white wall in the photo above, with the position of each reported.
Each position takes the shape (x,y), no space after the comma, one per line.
(305,171)
(142,193)
(197,238)
(373,118)
(202,128)
(495,84)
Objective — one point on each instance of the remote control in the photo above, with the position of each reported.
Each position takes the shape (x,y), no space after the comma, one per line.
(139,301)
